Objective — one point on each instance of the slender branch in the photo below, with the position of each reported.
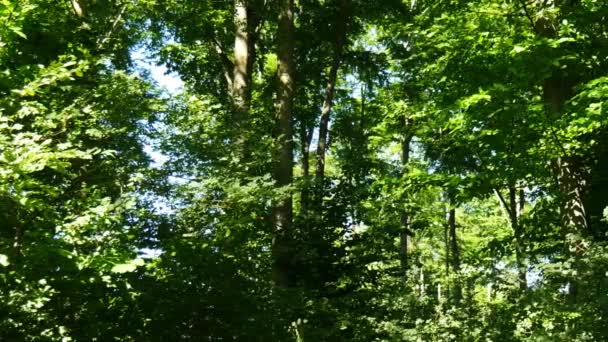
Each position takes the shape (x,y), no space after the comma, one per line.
(108,35)
(527,13)
(227,64)
(504,203)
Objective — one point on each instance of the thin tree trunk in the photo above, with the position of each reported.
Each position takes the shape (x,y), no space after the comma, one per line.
(439,298)
(446,239)
(17,241)
(329,95)
(514,212)
(522,202)
(422,283)
(454,251)
(406,233)
(305,139)
(283,175)
(253,23)
(403,241)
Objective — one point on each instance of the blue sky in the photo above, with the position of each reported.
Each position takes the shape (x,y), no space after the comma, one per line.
(169,81)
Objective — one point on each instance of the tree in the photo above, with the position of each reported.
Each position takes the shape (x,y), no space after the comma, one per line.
(284,169)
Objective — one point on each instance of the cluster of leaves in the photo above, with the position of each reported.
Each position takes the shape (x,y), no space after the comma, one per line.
(71,167)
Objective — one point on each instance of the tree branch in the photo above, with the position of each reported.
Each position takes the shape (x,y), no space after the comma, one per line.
(108,35)
(504,204)
(227,64)
(527,14)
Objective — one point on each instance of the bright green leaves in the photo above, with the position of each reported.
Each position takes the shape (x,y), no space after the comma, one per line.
(481,97)
(128,267)
(32,154)
(459,82)
(72,126)
(12,14)
(4,260)
(519,49)
(17,31)
(65,69)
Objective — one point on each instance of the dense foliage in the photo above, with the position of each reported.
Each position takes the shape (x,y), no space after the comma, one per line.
(330,170)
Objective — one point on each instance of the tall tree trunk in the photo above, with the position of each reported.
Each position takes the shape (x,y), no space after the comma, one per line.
(522,202)
(305,139)
(569,176)
(245,22)
(514,214)
(329,96)
(570,180)
(513,211)
(446,239)
(406,233)
(454,251)
(422,283)
(17,240)
(569,173)
(573,216)
(241,73)
(283,175)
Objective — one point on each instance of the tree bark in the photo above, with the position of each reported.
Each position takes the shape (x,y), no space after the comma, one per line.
(329,95)
(556,90)
(569,173)
(17,240)
(240,79)
(513,211)
(514,214)
(522,202)
(283,175)
(454,251)
(446,239)
(406,233)
(245,22)
(305,139)
(570,179)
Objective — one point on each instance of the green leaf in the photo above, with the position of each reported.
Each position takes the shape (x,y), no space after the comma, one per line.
(17,31)
(4,260)
(123,268)
(128,267)
(518,49)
